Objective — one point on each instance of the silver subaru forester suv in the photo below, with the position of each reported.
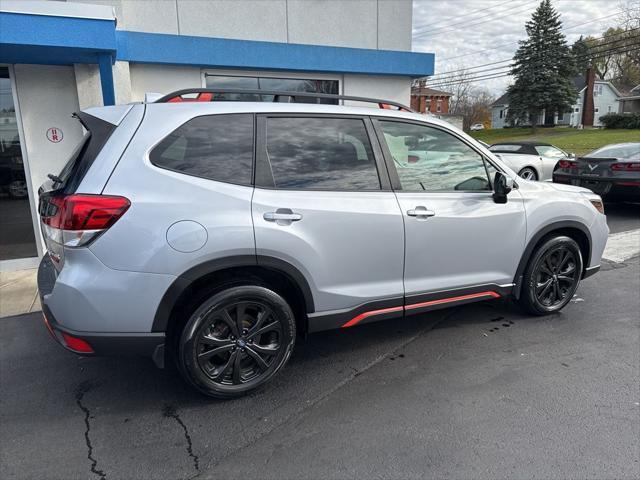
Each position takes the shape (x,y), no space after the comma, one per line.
(211,233)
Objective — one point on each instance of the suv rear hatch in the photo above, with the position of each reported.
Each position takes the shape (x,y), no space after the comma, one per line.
(70,219)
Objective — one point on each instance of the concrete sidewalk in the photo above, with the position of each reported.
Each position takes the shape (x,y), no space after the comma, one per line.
(19,292)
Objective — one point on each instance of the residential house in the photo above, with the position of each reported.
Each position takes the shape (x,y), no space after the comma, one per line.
(630,101)
(425,99)
(606,99)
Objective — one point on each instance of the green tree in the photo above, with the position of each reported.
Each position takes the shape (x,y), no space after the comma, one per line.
(543,69)
(581,55)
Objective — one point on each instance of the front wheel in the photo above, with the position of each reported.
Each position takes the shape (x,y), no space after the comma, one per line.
(528,173)
(236,341)
(552,276)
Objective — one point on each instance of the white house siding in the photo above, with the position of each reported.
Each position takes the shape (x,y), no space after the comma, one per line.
(498,116)
(605,103)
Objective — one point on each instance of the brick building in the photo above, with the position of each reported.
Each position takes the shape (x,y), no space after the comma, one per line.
(425,99)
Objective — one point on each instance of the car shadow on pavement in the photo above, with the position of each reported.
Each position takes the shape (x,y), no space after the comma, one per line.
(136,382)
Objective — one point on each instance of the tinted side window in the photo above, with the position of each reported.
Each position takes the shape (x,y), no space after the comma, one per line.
(217,147)
(430,159)
(321,153)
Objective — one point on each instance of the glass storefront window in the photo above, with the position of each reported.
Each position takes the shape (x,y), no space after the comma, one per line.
(17,239)
(272,83)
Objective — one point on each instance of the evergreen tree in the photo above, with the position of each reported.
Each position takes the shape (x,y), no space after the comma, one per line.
(543,69)
(581,55)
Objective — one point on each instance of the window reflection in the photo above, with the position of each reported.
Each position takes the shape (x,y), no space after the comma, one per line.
(430,159)
(271,83)
(321,153)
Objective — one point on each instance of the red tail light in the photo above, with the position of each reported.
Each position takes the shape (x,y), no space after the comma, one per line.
(75,220)
(76,344)
(567,164)
(626,166)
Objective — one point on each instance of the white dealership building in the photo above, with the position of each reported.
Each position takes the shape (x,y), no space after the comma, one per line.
(59,57)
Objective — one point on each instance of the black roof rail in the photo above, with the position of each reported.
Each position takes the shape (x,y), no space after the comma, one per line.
(202,96)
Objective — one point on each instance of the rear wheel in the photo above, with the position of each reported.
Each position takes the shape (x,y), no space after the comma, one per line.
(552,276)
(528,173)
(236,341)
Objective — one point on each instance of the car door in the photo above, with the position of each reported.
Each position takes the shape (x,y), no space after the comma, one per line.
(550,157)
(323,203)
(458,240)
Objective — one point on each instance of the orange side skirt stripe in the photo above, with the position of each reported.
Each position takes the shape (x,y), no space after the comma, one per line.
(358,318)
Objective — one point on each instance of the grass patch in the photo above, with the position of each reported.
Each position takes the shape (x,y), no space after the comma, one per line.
(566,138)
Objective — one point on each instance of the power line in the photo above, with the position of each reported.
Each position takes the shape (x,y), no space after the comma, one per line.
(439,31)
(514,43)
(447,26)
(594,50)
(499,74)
(466,14)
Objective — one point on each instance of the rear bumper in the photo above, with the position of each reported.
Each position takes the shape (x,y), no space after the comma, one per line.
(605,187)
(100,343)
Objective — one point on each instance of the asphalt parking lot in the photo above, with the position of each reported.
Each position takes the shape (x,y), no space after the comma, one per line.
(480,391)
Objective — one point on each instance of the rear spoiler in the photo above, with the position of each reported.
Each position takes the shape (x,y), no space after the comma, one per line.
(112,114)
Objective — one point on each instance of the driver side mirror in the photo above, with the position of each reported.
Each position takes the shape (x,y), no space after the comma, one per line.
(572,155)
(502,185)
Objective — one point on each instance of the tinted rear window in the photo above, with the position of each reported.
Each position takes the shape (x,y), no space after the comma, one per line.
(98,132)
(321,153)
(217,147)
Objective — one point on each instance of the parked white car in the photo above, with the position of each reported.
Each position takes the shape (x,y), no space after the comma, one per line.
(532,160)
(477,126)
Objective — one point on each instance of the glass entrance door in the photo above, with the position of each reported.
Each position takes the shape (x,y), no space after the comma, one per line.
(17,238)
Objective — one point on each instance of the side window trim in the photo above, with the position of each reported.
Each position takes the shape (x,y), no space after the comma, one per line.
(393,172)
(262,166)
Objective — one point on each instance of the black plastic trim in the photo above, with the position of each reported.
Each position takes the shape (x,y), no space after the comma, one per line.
(125,343)
(338,318)
(503,291)
(183,282)
(590,271)
(528,251)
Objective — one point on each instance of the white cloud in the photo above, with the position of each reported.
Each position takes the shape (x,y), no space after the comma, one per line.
(466,33)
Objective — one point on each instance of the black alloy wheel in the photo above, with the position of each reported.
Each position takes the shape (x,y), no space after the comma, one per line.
(552,276)
(237,341)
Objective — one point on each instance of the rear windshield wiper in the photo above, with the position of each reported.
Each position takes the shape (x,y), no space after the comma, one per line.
(54,178)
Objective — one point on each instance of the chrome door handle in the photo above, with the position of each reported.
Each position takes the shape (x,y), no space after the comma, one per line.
(282,216)
(421,212)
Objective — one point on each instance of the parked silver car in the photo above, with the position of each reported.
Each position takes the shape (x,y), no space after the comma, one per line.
(212,233)
(531,159)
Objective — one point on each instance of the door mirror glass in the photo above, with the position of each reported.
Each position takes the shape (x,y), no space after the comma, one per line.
(502,185)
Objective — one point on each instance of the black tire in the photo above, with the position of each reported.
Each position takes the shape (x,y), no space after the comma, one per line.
(252,330)
(528,173)
(552,276)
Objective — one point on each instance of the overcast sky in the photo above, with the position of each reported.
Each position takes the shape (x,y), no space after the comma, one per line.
(467,33)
